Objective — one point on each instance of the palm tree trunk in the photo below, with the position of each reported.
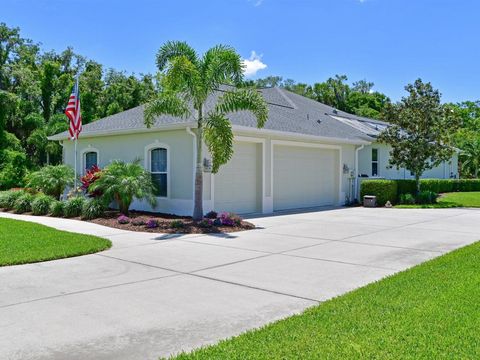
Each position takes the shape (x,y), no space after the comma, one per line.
(198,204)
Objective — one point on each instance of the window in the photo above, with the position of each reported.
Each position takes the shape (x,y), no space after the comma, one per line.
(91,159)
(159,170)
(374,162)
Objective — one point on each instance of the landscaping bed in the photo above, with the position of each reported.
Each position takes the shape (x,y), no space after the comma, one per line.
(166,223)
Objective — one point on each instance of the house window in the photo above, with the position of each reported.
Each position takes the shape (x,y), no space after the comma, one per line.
(159,170)
(374,162)
(91,159)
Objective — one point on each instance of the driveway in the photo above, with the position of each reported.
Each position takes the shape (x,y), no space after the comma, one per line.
(153,295)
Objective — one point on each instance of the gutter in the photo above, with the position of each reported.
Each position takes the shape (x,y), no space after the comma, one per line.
(357,150)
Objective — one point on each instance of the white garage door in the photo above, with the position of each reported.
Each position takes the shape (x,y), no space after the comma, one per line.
(304,177)
(238,183)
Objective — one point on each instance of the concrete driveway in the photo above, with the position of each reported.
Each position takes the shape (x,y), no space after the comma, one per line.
(153,295)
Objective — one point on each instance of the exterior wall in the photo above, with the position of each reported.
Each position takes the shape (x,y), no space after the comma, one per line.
(134,146)
(443,171)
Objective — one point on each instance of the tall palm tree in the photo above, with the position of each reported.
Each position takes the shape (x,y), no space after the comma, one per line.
(188,80)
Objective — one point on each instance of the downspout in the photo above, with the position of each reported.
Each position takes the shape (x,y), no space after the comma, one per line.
(357,150)
(189,131)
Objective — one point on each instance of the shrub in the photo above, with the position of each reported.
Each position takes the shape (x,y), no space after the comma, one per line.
(138,222)
(407,199)
(151,224)
(89,178)
(230,219)
(92,209)
(177,224)
(23,203)
(122,219)
(73,206)
(8,198)
(426,197)
(206,223)
(384,190)
(52,180)
(217,222)
(41,204)
(406,186)
(57,208)
(211,215)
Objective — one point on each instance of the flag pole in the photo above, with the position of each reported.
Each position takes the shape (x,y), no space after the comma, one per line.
(75,180)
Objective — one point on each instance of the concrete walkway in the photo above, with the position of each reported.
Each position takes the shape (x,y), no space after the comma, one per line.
(152,295)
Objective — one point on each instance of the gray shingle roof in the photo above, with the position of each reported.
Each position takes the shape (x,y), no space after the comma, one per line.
(288,112)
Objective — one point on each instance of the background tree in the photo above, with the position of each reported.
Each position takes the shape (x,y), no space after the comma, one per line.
(188,81)
(421,131)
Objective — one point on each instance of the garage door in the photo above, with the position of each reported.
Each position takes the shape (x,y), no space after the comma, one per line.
(304,177)
(238,183)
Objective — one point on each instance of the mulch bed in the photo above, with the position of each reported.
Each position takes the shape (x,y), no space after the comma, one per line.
(165,224)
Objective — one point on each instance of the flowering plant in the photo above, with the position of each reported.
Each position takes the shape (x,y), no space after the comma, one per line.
(152,224)
(230,219)
(211,215)
(206,223)
(92,175)
(122,219)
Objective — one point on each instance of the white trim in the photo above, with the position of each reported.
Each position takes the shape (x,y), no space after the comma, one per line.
(308,145)
(194,160)
(147,162)
(83,162)
(112,132)
(326,139)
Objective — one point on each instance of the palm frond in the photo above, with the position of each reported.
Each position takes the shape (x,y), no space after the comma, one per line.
(244,99)
(222,64)
(218,137)
(165,104)
(182,77)
(173,49)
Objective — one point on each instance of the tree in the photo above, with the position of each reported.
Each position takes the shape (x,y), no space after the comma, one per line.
(188,80)
(122,182)
(421,130)
(470,155)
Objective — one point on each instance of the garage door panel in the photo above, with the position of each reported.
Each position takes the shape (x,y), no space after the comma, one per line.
(238,183)
(304,177)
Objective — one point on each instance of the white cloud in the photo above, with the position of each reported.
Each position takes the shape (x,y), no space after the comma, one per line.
(253,64)
(256,2)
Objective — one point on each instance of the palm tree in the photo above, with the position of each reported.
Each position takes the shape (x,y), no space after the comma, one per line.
(52,180)
(471,156)
(122,182)
(188,80)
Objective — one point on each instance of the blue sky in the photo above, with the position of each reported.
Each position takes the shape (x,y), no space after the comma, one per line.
(389,42)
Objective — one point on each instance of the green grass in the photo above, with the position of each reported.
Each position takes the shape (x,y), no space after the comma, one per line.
(431,311)
(451,200)
(24,242)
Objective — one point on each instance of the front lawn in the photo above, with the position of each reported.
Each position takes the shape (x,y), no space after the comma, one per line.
(449,200)
(24,242)
(431,311)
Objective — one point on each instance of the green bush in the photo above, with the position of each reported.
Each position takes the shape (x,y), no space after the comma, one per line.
(92,209)
(24,203)
(406,186)
(52,179)
(8,198)
(384,190)
(426,197)
(73,206)
(407,199)
(57,208)
(41,204)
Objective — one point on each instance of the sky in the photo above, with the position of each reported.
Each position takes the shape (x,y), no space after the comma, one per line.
(388,42)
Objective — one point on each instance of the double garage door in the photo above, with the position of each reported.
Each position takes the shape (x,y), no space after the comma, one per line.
(302,177)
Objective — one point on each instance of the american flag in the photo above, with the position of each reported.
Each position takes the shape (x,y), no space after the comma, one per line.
(73,112)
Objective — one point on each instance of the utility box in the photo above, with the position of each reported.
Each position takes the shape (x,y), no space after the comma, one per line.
(369,201)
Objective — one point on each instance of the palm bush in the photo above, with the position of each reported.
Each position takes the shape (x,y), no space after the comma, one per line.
(24,203)
(73,206)
(57,208)
(93,208)
(122,182)
(52,179)
(189,79)
(41,204)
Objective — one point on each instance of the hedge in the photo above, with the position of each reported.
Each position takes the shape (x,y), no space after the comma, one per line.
(380,188)
(384,190)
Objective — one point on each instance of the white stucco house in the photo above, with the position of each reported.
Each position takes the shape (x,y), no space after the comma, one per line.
(307,155)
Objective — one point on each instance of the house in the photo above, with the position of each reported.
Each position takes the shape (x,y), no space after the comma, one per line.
(307,155)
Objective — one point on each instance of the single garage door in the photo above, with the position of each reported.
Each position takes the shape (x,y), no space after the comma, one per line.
(238,184)
(304,177)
